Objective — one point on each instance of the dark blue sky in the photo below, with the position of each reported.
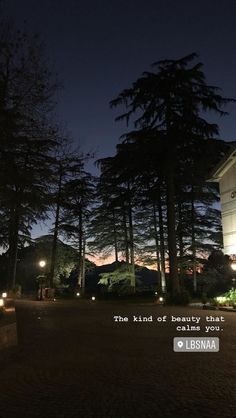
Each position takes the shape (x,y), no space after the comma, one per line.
(100,47)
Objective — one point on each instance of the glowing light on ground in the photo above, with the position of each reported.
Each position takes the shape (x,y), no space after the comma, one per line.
(233,265)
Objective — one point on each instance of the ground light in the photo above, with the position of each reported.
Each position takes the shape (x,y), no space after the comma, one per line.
(1,307)
(221,299)
(161,299)
(233,265)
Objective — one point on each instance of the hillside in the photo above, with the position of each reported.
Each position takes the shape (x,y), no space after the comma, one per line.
(146,279)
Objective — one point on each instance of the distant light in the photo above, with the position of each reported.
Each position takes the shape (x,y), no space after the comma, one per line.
(1,302)
(221,299)
(77,294)
(54,300)
(161,299)
(233,265)
(12,309)
(4,295)
(156,293)
(42,263)
(93,298)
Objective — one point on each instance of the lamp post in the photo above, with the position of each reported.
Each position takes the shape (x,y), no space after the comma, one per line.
(42,264)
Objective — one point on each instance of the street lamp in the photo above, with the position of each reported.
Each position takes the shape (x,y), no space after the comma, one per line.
(42,264)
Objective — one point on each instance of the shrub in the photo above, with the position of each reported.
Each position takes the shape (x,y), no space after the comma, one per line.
(228,298)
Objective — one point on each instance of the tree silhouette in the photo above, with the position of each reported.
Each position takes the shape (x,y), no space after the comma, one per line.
(27,136)
(172,102)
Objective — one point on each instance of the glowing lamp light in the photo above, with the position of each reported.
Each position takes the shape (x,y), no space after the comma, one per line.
(161,299)
(93,298)
(221,299)
(4,295)
(233,265)
(156,293)
(77,294)
(42,263)
(1,302)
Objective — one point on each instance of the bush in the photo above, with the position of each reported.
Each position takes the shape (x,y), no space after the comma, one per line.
(231,296)
(15,292)
(228,298)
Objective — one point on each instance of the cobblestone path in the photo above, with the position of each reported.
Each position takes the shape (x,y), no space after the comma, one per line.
(73,360)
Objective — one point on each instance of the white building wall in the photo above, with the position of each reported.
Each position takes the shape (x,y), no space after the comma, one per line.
(228,209)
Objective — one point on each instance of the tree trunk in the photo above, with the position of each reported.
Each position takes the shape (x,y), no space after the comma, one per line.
(181,243)
(157,246)
(115,238)
(193,242)
(162,243)
(80,278)
(83,267)
(131,240)
(54,248)
(125,235)
(55,234)
(14,230)
(174,280)
(13,245)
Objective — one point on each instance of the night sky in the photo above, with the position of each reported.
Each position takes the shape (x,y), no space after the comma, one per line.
(98,48)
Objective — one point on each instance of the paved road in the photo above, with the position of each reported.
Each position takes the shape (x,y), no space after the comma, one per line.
(73,360)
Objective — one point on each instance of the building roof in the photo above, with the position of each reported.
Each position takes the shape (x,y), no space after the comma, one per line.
(224,165)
